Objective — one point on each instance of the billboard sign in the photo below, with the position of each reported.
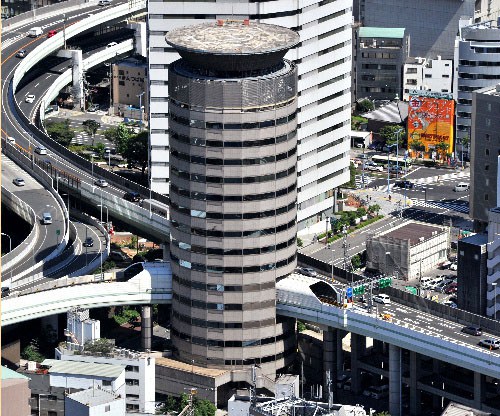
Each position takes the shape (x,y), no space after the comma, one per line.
(430,122)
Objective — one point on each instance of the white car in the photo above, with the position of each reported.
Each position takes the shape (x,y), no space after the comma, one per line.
(111,44)
(373,167)
(454,267)
(18,182)
(30,98)
(101,182)
(461,187)
(382,298)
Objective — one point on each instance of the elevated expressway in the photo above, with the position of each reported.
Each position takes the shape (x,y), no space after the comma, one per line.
(18,117)
(408,328)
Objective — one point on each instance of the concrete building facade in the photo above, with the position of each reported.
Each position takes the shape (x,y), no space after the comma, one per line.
(94,402)
(409,250)
(233,157)
(15,393)
(493,265)
(427,74)
(485,149)
(471,274)
(323,60)
(430,24)
(486,10)
(381,54)
(478,67)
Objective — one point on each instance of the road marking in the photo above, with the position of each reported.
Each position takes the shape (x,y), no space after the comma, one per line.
(37,84)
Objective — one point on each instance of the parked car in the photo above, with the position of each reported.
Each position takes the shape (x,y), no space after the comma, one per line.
(492,344)
(472,330)
(30,98)
(51,33)
(5,291)
(450,304)
(382,298)
(404,184)
(101,182)
(93,107)
(445,265)
(21,53)
(307,271)
(451,288)
(18,182)
(111,44)
(454,267)
(461,187)
(89,242)
(132,196)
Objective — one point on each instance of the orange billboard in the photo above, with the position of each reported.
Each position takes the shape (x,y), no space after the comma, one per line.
(430,122)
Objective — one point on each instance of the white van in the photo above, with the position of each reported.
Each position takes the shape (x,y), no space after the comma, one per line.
(11,140)
(461,187)
(34,32)
(46,218)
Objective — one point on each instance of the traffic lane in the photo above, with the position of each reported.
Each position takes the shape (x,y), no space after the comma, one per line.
(432,325)
(83,255)
(41,200)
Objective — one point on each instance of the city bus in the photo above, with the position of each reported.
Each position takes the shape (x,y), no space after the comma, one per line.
(382,160)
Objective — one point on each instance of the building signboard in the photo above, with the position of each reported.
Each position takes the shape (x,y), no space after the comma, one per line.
(430,122)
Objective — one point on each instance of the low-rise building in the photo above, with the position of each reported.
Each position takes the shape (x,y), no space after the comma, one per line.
(94,402)
(15,393)
(409,250)
(139,373)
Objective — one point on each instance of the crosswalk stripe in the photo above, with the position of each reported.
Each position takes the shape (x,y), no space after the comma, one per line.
(464,207)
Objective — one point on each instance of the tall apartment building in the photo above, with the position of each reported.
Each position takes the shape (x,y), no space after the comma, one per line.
(233,158)
(485,149)
(323,59)
(493,264)
(478,67)
(381,54)
(423,74)
(431,25)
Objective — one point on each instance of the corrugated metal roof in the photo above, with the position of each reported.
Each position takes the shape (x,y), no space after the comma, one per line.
(83,368)
(8,374)
(382,32)
(394,112)
(93,397)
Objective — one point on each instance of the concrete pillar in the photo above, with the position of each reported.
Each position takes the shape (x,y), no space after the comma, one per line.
(436,371)
(415,393)
(329,363)
(479,388)
(358,344)
(394,380)
(146,327)
(340,350)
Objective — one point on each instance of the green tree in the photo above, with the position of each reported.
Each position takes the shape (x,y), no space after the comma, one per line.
(442,149)
(364,106)
(375,208)
(91,127)
(204,408)
(384,413)
(136,150)
(361,212)
(301,326)
(417,145)
(60,131)
(390,135)
(99,150)
(100,345)
(119,136)
(32,353)
(356,261)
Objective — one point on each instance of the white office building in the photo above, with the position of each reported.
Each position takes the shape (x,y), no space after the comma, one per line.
(324,65)
(478,53)
(423,74)
(139,373)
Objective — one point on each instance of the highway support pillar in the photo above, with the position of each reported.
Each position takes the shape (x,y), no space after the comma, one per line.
(479,389)
(394,380)
(436,374)
(329,364)
(415,394)
(146,327)
(340,351)
(358,345)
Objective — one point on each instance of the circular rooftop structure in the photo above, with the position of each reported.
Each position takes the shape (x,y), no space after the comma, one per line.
(232,45)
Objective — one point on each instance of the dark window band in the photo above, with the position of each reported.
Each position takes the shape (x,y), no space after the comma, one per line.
(229,344)
(233,251)
(196,141)
(201,196)
(252,287)
(195,177)
(202,323)
(232,162)
(234,270)
(232,216)
(214,125)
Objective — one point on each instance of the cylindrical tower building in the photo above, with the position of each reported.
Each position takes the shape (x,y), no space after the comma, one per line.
(233,156)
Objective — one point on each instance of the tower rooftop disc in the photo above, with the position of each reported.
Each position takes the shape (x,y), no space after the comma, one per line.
(232,45)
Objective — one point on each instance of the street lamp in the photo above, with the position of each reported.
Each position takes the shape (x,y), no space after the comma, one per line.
(140,105)
(107,217)
(387,254)
(426,188)
(64,30)
(92,161)
(55,218)
(10,241)
(494,300)
(397,151)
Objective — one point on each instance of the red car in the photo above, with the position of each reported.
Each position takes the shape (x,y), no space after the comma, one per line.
(51,33)
(451,288)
